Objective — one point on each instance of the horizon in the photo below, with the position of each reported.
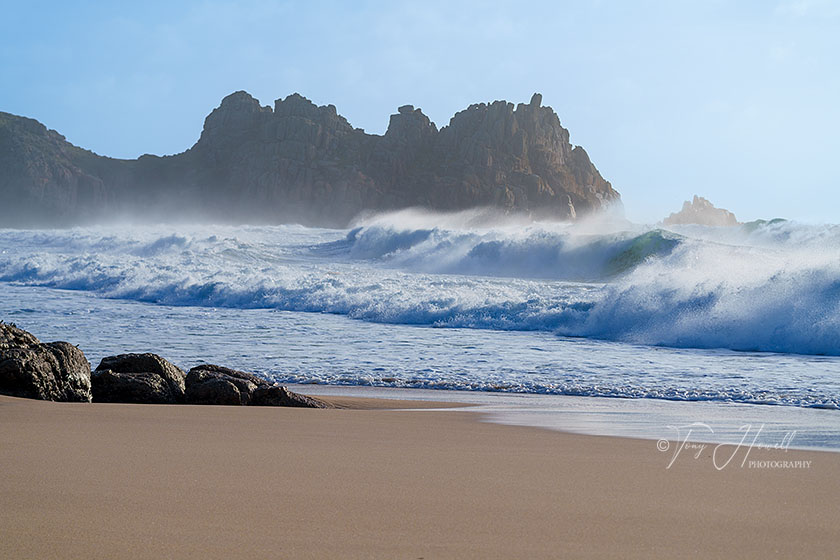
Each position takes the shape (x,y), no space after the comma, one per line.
(734,104)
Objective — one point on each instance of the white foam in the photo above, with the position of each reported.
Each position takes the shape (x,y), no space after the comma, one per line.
(772,287)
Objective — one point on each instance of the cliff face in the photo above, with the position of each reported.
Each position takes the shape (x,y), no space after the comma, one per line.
(41,174)
(304,163)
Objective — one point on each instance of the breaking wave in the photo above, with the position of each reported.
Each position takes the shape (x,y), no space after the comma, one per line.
(772,286)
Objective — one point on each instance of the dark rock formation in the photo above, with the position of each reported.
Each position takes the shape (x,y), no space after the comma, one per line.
(137,378)
(59,371)
(209,384)
(56,371)
(304,163)
(277,395)
(701,212)
(146,388)
(13,337)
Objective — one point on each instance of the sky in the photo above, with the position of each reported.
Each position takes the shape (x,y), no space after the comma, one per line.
(734,101)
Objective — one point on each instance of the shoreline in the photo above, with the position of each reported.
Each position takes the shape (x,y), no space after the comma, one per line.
(800,428)
(150,481)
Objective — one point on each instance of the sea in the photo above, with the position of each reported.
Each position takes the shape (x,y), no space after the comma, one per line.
(602,326)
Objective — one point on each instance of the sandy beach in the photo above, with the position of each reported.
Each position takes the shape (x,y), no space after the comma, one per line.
(369,481)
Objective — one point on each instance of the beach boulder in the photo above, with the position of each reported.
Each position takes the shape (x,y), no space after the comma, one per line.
(277,395)
(146,388)
(138,378)
(56,371)
(211,384)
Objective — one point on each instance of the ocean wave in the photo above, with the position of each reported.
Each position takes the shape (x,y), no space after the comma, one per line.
(529,252)
(762,287)
(707,296)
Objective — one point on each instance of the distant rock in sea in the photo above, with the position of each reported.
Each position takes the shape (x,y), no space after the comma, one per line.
(299,162)
(701,212)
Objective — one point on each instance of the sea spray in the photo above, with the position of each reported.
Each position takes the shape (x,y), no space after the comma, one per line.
(762,287)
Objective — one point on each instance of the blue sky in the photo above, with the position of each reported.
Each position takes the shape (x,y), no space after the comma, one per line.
(735,101)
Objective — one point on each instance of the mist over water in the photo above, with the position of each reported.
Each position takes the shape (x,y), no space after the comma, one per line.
(759,287)
(767,287)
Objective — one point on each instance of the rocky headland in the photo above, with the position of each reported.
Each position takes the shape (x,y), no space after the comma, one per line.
(299,162)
